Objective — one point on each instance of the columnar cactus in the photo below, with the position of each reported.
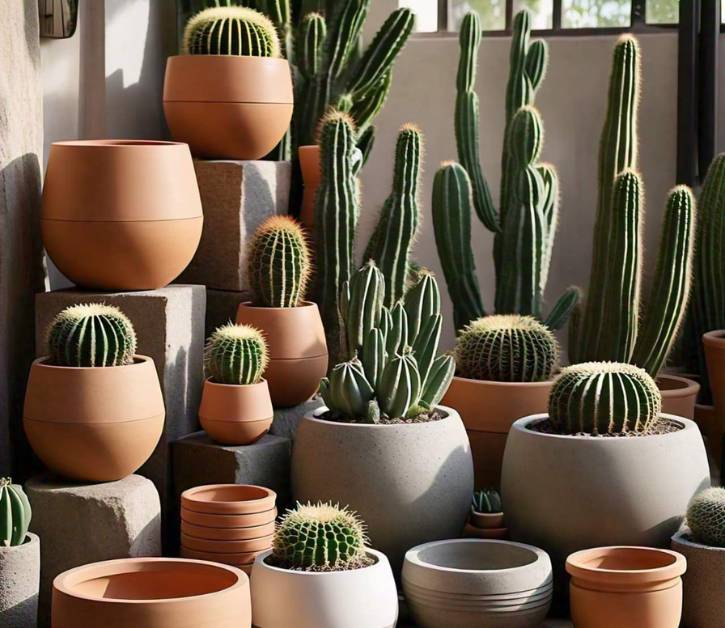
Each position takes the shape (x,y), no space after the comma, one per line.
(506,348)
(278,263)
(90,335)
(15,513)
(486,501)
(706,517)
(235,354)
(604,398)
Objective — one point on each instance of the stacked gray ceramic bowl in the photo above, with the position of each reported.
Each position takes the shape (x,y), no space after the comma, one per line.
(461,583)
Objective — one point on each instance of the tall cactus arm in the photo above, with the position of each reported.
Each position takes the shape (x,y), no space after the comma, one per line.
(366,143)
(574,331)
(345,29)
(310,44)
(537,61)
(280,13)
(366,107)
(563,308)
(550,208)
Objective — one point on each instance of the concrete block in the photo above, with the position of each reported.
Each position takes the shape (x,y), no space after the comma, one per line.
(19,584)
(86,523)
(237,196)
(286,420)
(221,307)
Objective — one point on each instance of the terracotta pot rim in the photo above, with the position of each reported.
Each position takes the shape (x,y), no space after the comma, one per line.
(189,496)
(716,338)
(260,384)
(686,386)
(522,425)
(138,360)
(576,567)
(493,383)
(684,537)
(117,143)
(308,148)
(150,222)
(304,305)
(379,557)
(450,413)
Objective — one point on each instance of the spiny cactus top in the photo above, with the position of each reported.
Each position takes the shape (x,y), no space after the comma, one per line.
(604,397)
(279,263)
(15,513)
(319,537)
(235,354)
(506,348)
(231,31)
(706,517)
(487,501)
(91,334)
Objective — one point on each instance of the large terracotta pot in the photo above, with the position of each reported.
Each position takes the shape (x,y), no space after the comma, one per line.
(297,349)
(121,214)
(226,106)
(93,424)
(235,415)
(714,342)
(411,483)
(310,165)
(354,598)
(679,395)
(626,587)
(488,410)
(151,593)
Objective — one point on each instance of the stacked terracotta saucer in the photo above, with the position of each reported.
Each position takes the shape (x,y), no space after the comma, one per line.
(227,523)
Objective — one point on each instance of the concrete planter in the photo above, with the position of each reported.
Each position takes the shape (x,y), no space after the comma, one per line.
(20,583)
(355,598)
(411,483)
(679,395)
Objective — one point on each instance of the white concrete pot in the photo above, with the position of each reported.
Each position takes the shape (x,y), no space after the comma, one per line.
(356,598)
(410,483)
(19,584)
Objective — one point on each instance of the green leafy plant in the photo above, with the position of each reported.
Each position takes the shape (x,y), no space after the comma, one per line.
(487,501)
(15,513)
(706,517)
(235,354)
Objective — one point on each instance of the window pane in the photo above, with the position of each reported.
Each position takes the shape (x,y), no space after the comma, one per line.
(663,11)
(492,12)
(426,14)
(542,12)
(596,13)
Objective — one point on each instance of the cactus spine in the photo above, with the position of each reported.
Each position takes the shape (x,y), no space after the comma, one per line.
(706,517)
(236,355)
(15,513)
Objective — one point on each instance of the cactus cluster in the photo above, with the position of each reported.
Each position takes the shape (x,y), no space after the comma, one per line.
(319,537)
(90,335)
(15,513)
(706,517)
(604,398)
(235,354)
(487,501)
(506,348)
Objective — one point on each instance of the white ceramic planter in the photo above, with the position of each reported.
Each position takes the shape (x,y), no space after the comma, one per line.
(19,584)
(357,598)
(410,483)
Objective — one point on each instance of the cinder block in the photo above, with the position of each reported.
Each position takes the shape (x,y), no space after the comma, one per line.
(86,523)
(237,196)
(221,307)
(286,420)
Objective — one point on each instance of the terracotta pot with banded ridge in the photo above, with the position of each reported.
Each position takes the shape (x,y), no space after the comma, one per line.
(679,395)
(121,214)
(714,342)
(310,165)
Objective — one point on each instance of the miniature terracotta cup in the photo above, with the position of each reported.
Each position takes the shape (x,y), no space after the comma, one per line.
(297,349)
(121,214)
(679,395)
(250,520)
(309,157)
(228,499)
(226,106)
(485,525)
(235,414)
(626,586)
(227,534)
(93,424)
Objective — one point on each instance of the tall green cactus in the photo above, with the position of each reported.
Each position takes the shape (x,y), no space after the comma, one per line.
(15,513)
(236,355)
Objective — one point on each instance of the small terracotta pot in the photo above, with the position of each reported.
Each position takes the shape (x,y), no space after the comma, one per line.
(225,546)
(228,499)
(151,593)
(226,106)
(297,349)
(121,214)
(488,409)
(626,586)
(486,519)
(93,424)
(471,531)
(235,415)
(310,165)
(227,534)
(679,395)
(239,559)
(249,521)
(714,342)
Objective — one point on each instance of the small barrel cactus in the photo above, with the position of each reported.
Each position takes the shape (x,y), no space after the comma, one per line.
(231,31)
(278,263)
(235,354)
(506,348)
(604,397)
(92,334)
(319,537)
(486,501)
(15,513)
(706,517)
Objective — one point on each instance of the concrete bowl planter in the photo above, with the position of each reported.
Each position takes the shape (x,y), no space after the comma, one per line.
(411,482)
(679,395)
(152,593)
(354,598)
(20,584)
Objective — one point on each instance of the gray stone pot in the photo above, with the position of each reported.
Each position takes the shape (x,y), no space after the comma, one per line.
(20,583)
(703,582)
(410,483)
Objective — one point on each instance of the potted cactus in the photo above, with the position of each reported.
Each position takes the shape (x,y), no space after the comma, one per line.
(229,95)
(486,517)
(278,269)
(382,422)
(235,405)
(93,408)
(19,559)
(329,577)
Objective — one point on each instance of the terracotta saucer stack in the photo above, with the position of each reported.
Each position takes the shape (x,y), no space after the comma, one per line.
(227,523)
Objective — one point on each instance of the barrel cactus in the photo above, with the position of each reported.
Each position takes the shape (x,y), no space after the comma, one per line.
(706,517)
(487,501)
(235,354)
(319,537)
(91,335)
(15,513)
(506,348)
(604,398)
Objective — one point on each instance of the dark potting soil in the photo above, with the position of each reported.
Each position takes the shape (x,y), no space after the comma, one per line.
(426,417)
(663,426)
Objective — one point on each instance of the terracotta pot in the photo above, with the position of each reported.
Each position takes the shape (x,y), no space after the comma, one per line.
(250,521)
(355,598)
(471,531)
(20,583)
(411,483)
(679,395)
(93,424)
(228,499)
(627,587)
(486,519)
(227,534)
(297,349)
(310,165)
(235,415)
(488,410)
(714,342)
(226,106)
(151,593)
(226,546)
(121,214)
(707,422)
(239,559)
